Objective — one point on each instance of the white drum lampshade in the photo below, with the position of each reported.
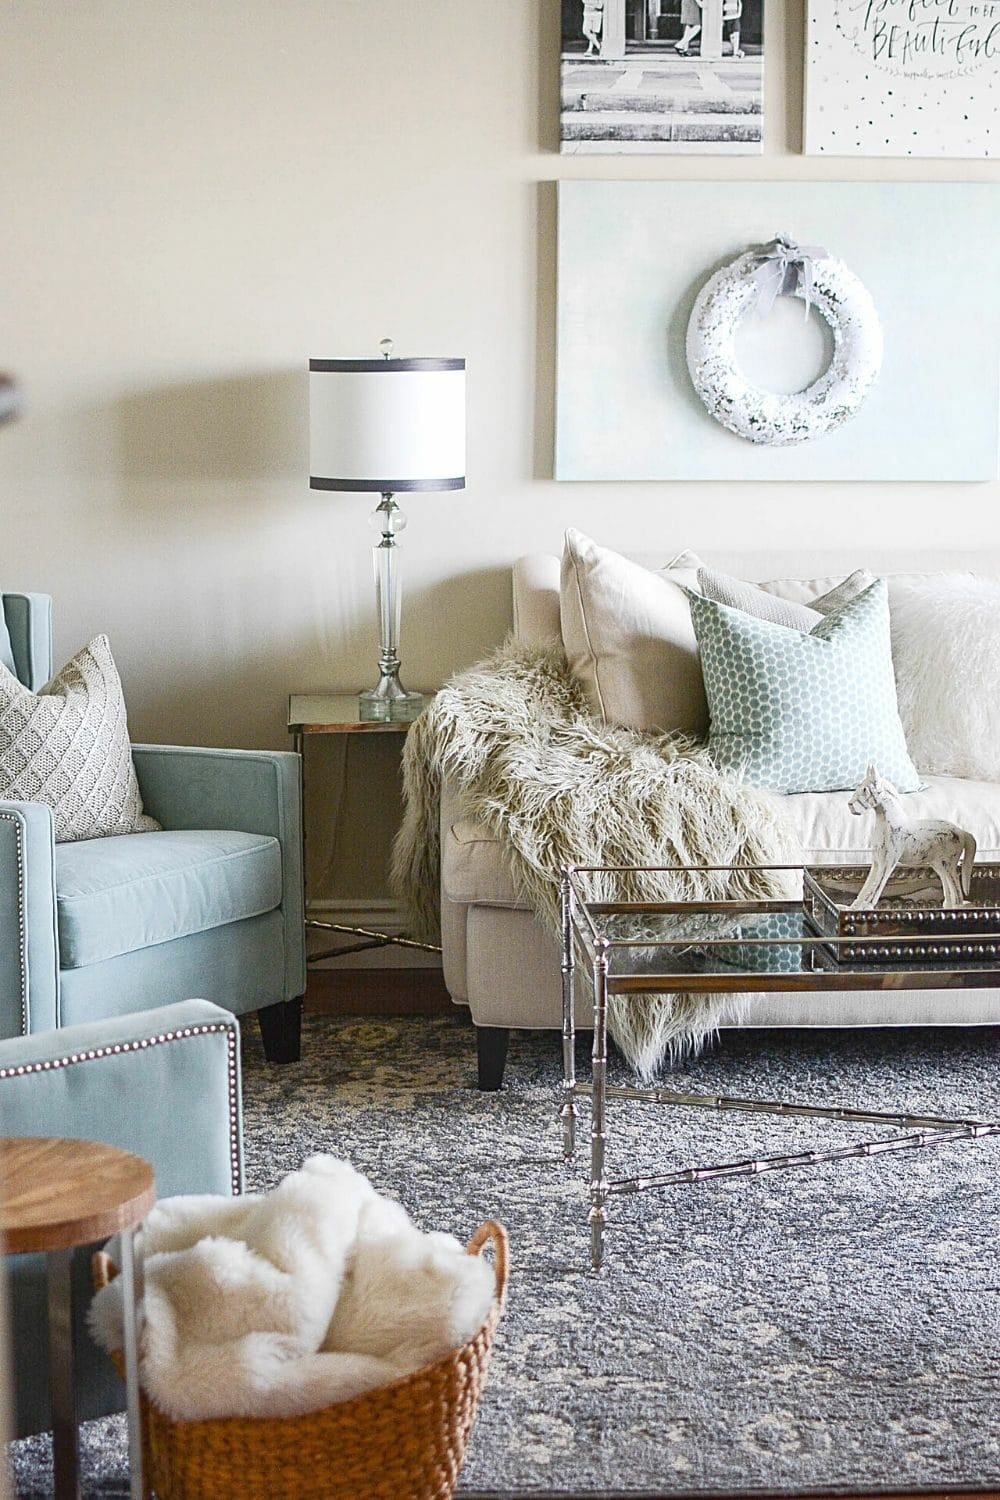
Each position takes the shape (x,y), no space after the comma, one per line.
(384,426)
(387,425)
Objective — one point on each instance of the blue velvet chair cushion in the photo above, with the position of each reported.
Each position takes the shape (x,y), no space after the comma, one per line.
(116,895)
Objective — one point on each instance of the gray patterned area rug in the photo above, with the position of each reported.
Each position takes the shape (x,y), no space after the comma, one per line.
(830,1328)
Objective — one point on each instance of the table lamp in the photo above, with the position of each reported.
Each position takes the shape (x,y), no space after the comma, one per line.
(384,426)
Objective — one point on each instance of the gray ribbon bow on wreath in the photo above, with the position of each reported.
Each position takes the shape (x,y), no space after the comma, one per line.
(784,269)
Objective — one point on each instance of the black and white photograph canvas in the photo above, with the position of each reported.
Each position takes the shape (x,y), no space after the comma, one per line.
(662,76)
(903,78)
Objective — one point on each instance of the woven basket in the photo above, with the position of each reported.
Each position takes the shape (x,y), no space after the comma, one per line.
(404,1441)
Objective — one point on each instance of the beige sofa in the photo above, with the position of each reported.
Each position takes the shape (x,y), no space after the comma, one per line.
(504,966)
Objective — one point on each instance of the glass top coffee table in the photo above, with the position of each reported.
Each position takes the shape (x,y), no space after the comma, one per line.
(743,946)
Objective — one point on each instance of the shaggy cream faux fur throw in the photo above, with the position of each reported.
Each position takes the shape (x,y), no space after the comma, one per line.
(516,738)
(274,1304)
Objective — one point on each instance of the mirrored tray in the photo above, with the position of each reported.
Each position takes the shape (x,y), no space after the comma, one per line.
(909,921)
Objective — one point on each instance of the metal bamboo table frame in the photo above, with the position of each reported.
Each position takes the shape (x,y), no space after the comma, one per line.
(682,959)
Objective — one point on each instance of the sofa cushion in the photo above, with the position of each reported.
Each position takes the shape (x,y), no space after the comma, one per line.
(116,895)
(475,868)
(829,833)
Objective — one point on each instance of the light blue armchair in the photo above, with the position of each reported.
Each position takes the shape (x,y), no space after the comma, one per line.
(164,1084)
(212,906)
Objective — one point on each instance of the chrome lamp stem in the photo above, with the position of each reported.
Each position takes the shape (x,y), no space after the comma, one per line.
(389,700)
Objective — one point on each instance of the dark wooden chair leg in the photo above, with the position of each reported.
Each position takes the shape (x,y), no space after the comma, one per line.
(281,1031)
(491,1046)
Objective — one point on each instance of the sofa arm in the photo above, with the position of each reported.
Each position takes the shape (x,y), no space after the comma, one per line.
(29,945)
(252,791)
(162,1083)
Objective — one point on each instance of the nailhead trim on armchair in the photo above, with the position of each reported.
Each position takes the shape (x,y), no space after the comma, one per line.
(22,937)
(155,1041)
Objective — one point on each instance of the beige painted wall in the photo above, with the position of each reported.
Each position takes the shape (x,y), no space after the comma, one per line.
(198,195)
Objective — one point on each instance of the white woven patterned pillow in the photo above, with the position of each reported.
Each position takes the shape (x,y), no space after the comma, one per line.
(68,746)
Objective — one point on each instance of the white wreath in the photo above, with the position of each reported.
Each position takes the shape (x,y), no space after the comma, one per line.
(766,416)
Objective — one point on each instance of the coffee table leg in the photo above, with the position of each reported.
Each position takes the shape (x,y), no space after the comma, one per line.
(598,1181)
(132,1292)
(568,1111)
(62,1366)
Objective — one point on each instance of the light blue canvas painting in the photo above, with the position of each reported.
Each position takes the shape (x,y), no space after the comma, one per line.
(633,257)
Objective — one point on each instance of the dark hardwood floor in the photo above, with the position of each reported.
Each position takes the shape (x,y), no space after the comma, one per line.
(377,992)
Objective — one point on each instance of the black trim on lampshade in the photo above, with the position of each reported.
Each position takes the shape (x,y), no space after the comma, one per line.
(385,486)
(392,366)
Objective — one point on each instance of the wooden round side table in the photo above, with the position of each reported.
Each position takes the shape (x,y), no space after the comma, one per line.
(57,1194)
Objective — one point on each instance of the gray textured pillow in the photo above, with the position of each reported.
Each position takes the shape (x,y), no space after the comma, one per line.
(752,600)
(68,746)
(736,594)
(854,584)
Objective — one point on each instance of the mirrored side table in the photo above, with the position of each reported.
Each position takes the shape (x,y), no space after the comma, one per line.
(339,713)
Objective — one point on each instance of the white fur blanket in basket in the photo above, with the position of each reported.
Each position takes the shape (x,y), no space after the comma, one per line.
(517,739)
(281,1303)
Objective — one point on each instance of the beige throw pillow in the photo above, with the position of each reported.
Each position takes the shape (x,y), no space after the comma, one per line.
(629,639)
(68,746)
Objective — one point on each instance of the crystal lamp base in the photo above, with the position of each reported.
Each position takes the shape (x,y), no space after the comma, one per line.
(389,702)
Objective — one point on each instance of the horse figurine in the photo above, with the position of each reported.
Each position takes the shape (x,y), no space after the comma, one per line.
(911,842)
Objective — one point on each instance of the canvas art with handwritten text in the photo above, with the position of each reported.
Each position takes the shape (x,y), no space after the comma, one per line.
(903,78)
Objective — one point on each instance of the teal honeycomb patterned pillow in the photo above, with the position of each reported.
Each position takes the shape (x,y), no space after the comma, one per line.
(797,711)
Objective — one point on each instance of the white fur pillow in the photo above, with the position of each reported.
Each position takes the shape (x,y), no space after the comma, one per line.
(946,652)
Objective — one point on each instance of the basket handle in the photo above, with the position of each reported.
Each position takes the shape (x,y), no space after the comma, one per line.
(492,1233)
(103,1270)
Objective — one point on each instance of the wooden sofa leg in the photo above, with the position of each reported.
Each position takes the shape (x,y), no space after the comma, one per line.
(281,1031)
(491,1046)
